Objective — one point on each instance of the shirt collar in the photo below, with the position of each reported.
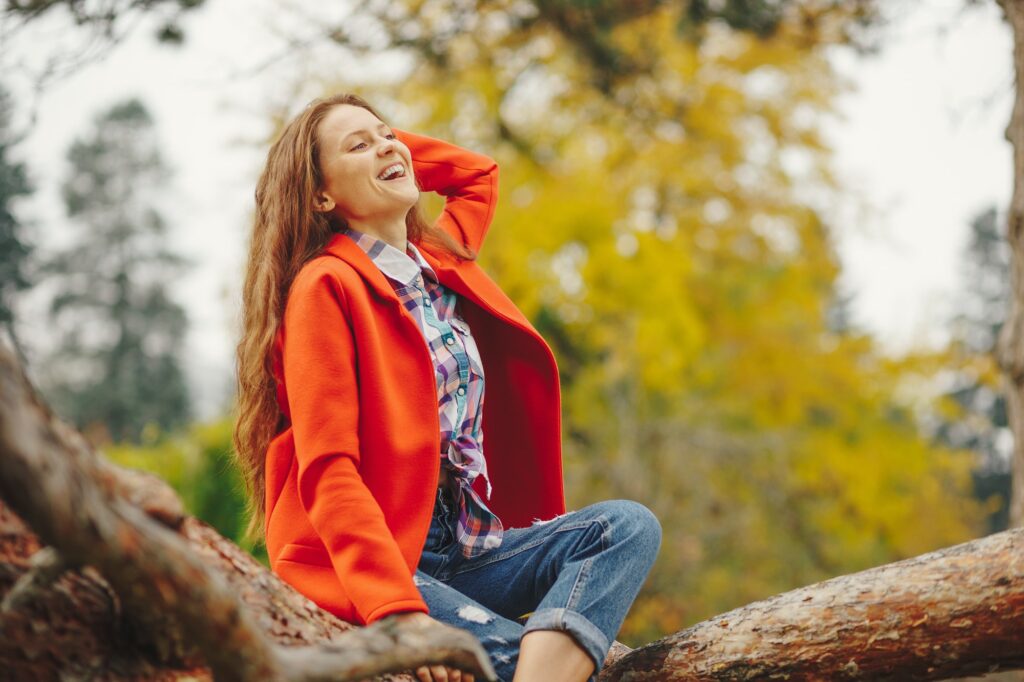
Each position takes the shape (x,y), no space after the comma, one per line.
(401,267)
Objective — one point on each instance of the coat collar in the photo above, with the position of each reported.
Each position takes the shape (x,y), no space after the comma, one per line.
(447,272)
(403,268)
(465,278)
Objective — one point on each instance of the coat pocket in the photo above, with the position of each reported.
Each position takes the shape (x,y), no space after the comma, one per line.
(309,571)
(304,554)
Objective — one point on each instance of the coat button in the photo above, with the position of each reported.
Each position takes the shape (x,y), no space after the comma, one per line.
(450,340)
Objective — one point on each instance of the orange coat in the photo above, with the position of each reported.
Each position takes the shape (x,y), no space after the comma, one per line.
(351,479)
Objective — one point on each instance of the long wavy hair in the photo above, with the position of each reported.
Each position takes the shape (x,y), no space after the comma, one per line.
(288,232)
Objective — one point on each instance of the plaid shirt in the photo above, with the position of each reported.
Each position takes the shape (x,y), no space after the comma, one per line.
(460,382)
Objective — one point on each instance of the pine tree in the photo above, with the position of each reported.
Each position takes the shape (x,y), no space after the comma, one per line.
(14,251)
(117,368)
(981,424)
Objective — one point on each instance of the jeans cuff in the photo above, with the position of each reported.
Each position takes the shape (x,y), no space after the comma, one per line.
(588,635)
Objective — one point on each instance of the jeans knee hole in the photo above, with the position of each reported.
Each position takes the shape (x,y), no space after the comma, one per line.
(474,614)
(539,522)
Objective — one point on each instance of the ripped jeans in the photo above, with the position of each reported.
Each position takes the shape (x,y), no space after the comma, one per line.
(578,573)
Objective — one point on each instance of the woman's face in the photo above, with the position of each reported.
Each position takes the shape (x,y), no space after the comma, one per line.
(355,146)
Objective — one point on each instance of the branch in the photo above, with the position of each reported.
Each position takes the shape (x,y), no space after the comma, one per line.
(949,613)
(81,506)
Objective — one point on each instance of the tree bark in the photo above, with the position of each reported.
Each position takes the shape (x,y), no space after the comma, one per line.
(1010,347)
(956,611)
(104,576)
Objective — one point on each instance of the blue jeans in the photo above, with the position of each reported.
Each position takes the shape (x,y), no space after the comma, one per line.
(578,573)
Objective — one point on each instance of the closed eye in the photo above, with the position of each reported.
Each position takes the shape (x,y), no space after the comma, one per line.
(390,136)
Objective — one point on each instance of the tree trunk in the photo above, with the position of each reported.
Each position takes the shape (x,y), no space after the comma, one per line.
(1010,347)
(956,611)
(103,576)
(1009,352)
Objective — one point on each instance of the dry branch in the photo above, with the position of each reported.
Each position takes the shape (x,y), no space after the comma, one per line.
(952,612)
(93,515)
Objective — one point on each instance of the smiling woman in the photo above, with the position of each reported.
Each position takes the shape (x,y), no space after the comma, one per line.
(352,164)
(367,337)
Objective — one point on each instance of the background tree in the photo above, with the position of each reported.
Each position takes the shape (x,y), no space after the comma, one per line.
(14,249)
(82,32)
(105,19)
(117,367)
(975,417)
(1010,345)
(101,26)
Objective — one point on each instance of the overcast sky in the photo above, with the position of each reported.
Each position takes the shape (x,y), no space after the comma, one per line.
(919,147)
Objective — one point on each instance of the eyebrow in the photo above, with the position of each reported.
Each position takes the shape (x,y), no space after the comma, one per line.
(364,130)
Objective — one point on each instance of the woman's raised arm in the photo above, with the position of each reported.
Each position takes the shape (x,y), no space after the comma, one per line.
(467,179)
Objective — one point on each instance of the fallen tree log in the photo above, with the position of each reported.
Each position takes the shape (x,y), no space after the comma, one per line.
(953,612)
(103,576)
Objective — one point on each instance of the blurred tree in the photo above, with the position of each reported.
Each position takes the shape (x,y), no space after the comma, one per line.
(590,32)
(47,40)
(14,251)
(986,279)
(1010,345)
(654,225)
(976,419)
(105,18)
(117,367)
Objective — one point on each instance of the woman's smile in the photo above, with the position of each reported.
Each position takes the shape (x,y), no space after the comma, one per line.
(392,172)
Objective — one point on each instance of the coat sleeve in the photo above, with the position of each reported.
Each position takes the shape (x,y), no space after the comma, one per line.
(319,365)
(468,180)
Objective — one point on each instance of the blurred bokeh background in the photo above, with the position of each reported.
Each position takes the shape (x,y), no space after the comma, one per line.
(764,238)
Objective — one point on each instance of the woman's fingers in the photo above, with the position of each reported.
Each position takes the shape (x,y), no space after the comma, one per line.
(440,673)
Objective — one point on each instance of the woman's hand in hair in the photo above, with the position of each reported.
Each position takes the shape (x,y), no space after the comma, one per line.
(433,673)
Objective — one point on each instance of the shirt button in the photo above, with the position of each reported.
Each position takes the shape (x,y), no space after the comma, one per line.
(462,390)
(450,340)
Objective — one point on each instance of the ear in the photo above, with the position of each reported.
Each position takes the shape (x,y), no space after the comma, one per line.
(322,203)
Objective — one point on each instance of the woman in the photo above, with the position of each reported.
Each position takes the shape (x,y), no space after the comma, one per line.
(367,338)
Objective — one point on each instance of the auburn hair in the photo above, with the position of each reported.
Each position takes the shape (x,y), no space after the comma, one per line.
(287,232)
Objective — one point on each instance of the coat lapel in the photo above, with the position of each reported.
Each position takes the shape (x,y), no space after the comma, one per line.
(465,278)
(347,250)
(468,279)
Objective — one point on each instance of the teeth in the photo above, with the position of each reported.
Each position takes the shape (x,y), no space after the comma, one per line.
(391,171)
